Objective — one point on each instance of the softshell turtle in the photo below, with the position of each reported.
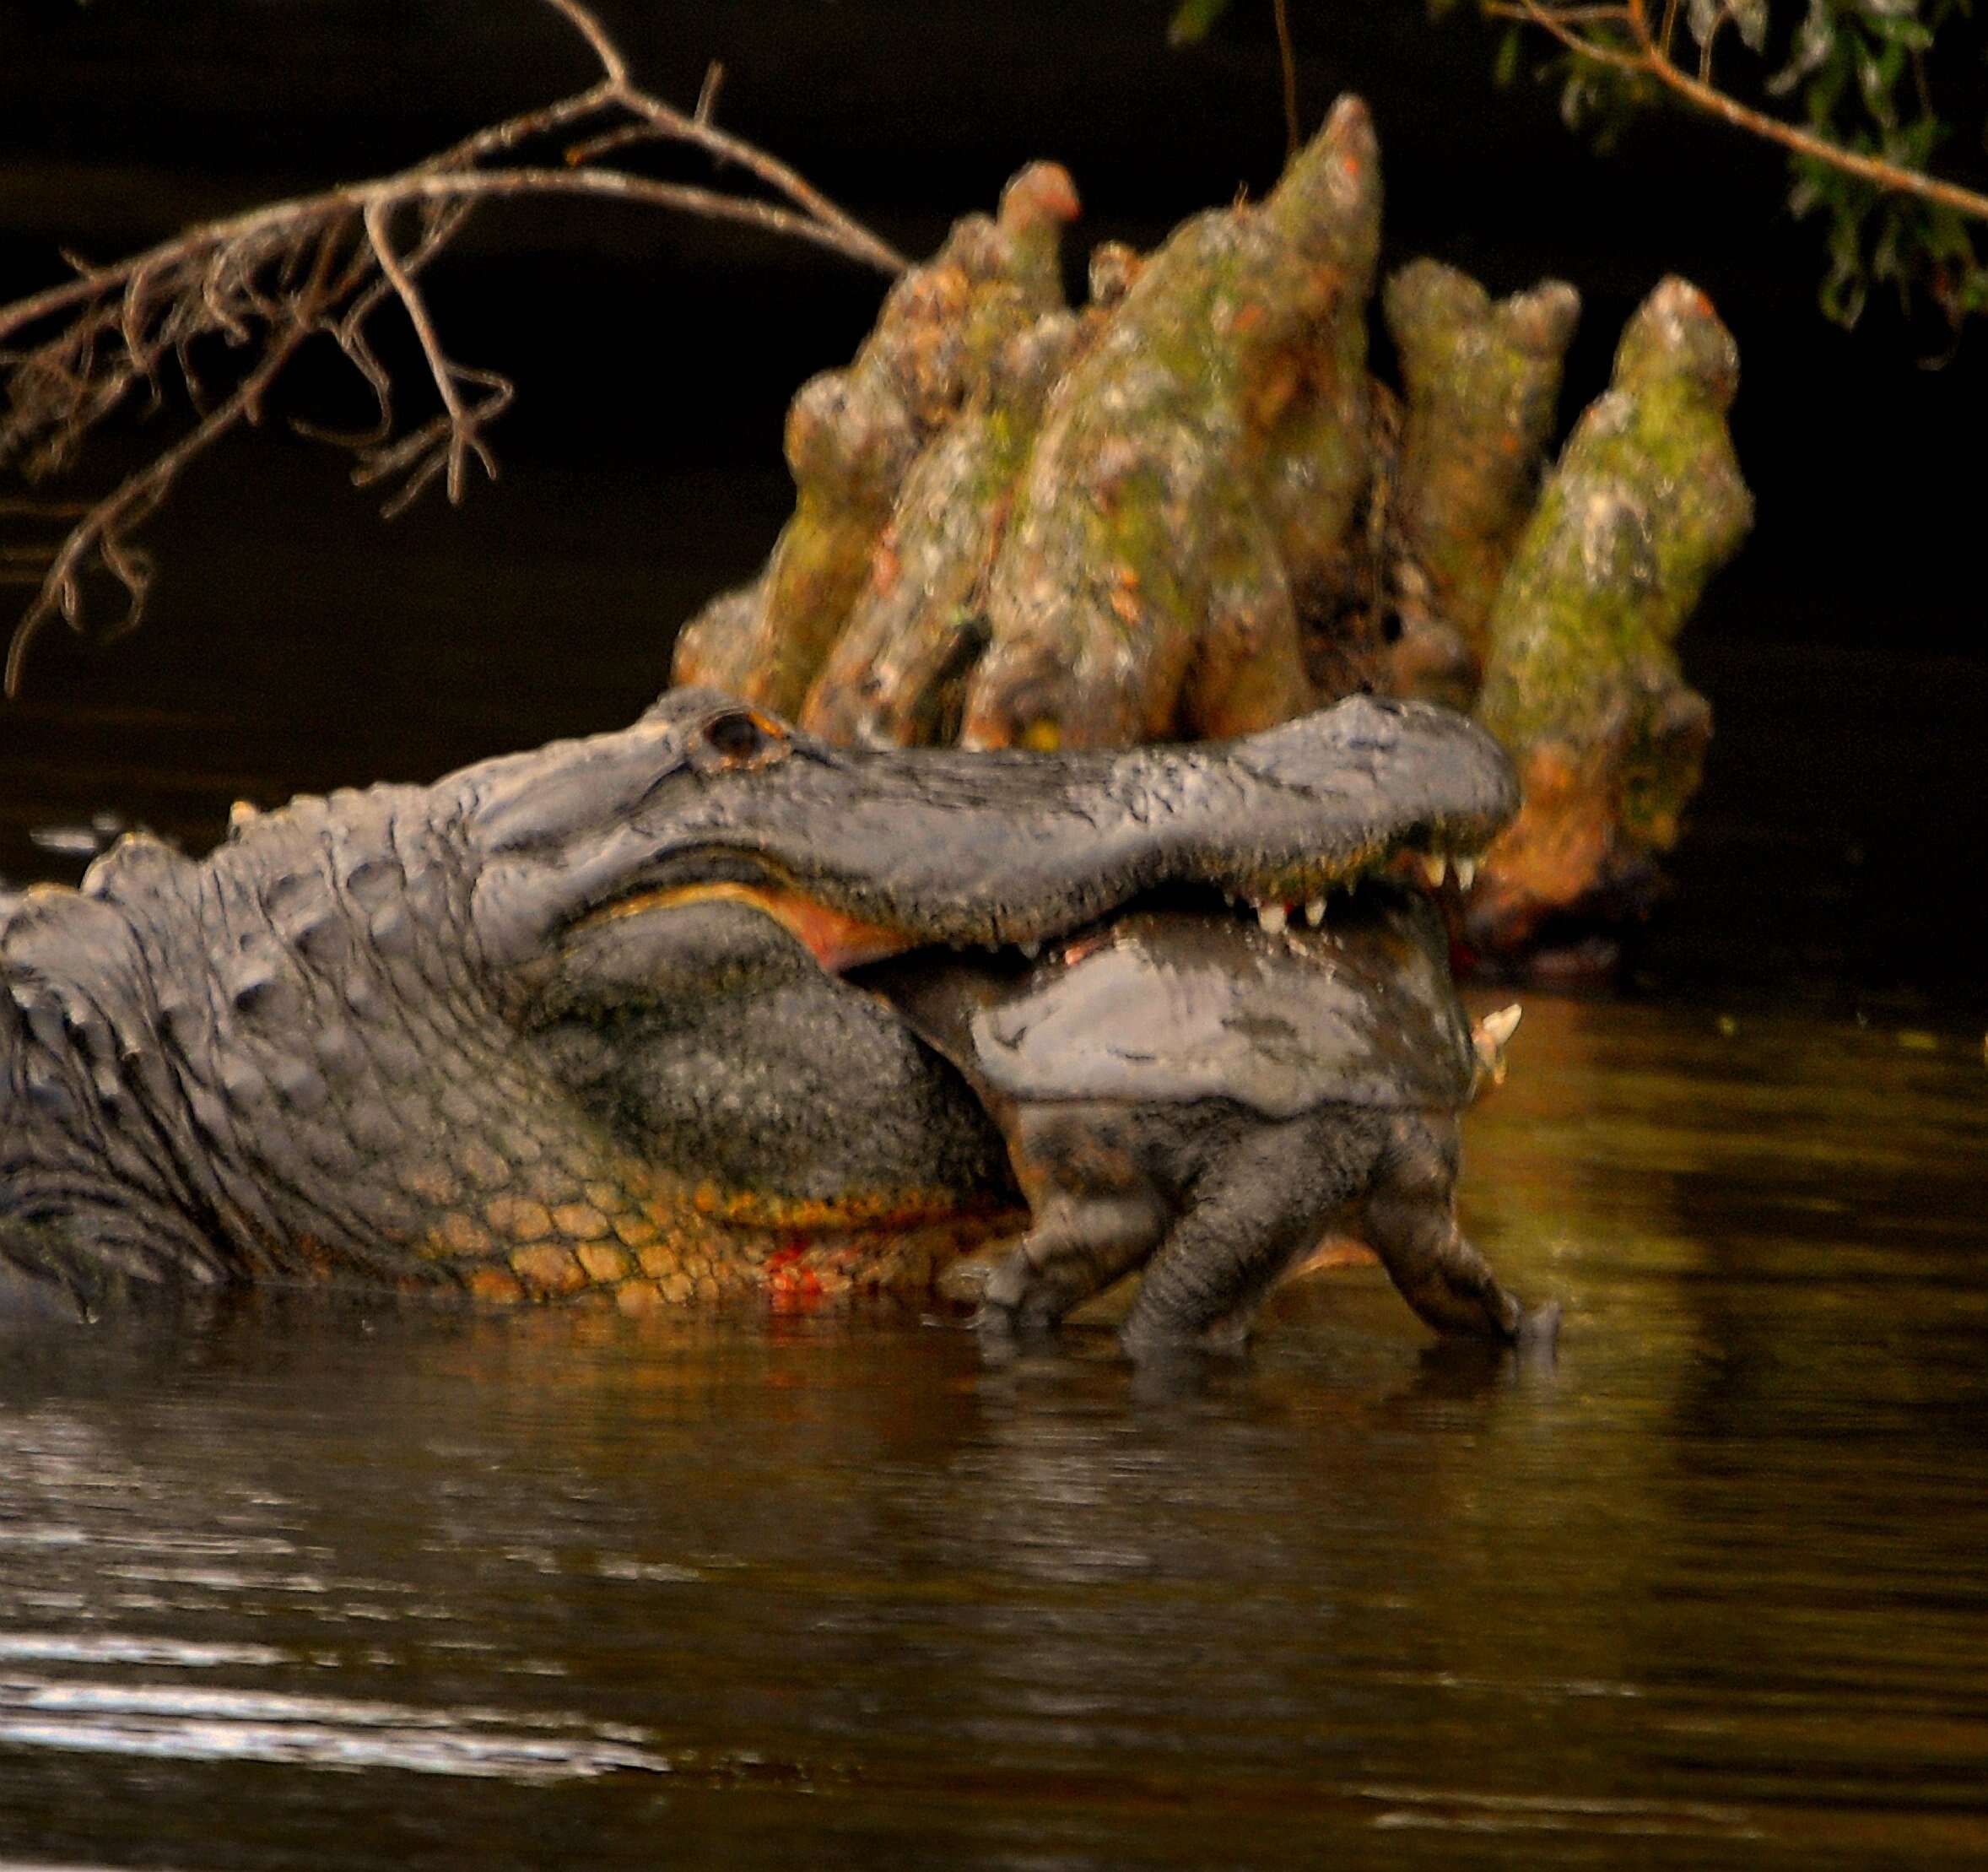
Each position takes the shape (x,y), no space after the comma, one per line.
(1204,1097)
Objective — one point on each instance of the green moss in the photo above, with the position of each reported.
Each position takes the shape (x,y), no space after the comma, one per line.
(1481,382)
(1184,510)
(1645,504)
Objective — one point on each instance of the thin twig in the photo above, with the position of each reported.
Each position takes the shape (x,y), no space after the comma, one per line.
(707,93)
(706,203)
(850,237)
(620,137)
(830,227)
(134,498)
(463,440)
(496,138)
(1648,57)
(595,34)
(1287,58)
(269,279)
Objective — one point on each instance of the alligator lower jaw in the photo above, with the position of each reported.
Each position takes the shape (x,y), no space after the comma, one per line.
(841,941)
(836,939)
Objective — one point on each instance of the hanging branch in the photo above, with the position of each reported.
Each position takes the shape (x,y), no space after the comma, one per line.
(1621,38)
(268,281)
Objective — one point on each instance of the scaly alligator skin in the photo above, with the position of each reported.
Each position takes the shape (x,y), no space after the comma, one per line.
(574,1022)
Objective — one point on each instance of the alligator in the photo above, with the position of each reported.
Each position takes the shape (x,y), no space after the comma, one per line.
(588,1021)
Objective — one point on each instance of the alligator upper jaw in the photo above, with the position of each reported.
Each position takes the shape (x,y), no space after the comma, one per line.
(862,854)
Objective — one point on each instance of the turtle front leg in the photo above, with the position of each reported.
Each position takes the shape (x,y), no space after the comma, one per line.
(1259,1201)
(1076,1248)
(1409,1219)
(1098,1214)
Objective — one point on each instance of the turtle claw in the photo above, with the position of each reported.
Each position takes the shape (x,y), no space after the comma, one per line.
(1017,1303)
(965,1282)
(1537,1334)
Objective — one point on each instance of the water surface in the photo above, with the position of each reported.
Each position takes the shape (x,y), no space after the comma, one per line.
(292,1585)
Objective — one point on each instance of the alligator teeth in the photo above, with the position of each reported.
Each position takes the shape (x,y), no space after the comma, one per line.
(1315,910)
(1031,948)
(1271,917)
(1434,865)
(1466,872)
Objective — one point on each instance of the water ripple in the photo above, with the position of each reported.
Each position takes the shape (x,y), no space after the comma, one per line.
(174,1722)
(114,1648)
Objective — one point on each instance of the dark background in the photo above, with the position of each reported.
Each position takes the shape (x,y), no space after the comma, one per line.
(296,641)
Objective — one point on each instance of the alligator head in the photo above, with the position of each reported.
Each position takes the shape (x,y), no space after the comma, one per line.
(577,1017)
(863,853)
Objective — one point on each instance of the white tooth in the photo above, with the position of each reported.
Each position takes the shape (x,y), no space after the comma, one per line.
(1031,948)
(1434,865)
(1315,910)
(1466,872)
(1271,917)
(1229,898)
(1503,1024)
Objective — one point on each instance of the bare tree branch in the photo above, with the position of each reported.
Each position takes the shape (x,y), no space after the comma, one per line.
(102,533)
(614,66)
(463,441)
(266,281)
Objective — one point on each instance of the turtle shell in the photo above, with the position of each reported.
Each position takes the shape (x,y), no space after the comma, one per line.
(1169,1008)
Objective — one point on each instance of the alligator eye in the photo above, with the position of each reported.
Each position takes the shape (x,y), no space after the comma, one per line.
(740,738)
(737,736)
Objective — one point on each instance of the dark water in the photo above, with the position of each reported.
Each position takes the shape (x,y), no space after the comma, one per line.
(301,1588)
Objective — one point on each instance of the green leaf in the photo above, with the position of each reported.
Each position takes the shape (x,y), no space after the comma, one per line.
(1194,19)
(1908,33)
(1814,44)
(1867,78)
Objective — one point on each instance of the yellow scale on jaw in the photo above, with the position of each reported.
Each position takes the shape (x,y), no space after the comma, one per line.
(837,940)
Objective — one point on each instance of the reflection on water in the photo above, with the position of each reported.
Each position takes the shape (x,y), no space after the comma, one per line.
(299,1588)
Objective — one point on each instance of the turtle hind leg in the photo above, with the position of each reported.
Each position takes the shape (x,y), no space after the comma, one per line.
(1251,1211)
(1409,1219)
